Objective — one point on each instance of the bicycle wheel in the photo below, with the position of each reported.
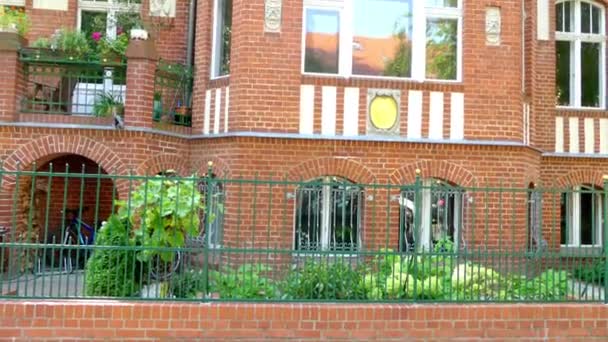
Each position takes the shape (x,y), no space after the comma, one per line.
(162,270)
(68,261)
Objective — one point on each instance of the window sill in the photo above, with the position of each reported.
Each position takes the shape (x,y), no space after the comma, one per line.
(580,109)
(381,82)
(581,251)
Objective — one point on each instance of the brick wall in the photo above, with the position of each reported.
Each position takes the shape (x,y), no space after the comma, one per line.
(33,321)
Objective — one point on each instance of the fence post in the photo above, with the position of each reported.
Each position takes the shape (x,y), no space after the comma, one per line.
(605,236)
(417,229)
(207,224)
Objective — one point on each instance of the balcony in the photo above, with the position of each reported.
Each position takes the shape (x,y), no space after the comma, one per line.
(53,87)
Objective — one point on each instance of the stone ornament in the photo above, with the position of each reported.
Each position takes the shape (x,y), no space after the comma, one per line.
(383,111)
(162,8)
(493,26)
(272,15)
(56,5)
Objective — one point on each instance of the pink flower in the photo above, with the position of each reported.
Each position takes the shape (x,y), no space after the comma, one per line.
(96,36)
(119,31)
(441,202)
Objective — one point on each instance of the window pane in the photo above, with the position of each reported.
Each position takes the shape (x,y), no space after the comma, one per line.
(563,72)
(345,219)
(585,17)
(308,218)
(93,22)
(226,36)
(441,3)
(382,42)
(559,17)
(596,18)
(441,48)
(590,77)
(565,211)
(322,52)
(568,14)
(588,218)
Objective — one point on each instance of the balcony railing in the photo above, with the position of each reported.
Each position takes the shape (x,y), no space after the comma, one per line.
(172,91)
(58,84)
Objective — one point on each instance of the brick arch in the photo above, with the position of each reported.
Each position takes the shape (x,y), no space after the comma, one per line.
(434,169)
(46,148)
(343,167)
(580,177)
(162,162)
(53,145)
(220,168)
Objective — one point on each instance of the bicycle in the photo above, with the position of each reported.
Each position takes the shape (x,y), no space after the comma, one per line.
(76,233)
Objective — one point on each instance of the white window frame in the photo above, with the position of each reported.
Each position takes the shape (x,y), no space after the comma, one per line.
(17,3)
(112,7)
(216,41)
(419,22)
(324,242)
(573,217)
(577,38)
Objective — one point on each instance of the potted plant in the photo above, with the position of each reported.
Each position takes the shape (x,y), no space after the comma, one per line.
(113,50)
(183,114)
(72,43)
(14,20)
(107,104)
(158,106)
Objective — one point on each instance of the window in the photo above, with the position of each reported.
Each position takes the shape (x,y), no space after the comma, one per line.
(581,217)
(383,38)
(580,54)
(441,211)
(328,216)
(109,17)
(19,3)
(222,33)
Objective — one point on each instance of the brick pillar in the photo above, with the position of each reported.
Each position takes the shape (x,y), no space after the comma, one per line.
(141,66)
(11,74)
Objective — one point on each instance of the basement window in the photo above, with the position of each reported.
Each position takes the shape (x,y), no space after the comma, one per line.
(581,217)
(222,36)
(441,210)
(328,215)
(580,47)
(419,40)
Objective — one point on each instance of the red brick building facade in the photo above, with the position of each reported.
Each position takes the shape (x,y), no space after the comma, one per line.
(474,103)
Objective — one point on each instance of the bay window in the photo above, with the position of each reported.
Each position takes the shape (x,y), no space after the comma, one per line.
(383,38)
(580,54)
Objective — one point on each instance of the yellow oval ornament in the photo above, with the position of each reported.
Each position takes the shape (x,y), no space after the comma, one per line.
(383,112)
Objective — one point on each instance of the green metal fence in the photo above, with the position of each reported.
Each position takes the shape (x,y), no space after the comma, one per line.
(172,92)
(209,238)
(60,85)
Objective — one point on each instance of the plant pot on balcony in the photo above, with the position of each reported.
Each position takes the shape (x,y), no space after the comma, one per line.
(111,58)
(183,116)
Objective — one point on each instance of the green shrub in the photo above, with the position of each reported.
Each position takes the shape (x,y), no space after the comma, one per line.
(324,280)
(187,285)
(592,273)
(246,282)
(112,272)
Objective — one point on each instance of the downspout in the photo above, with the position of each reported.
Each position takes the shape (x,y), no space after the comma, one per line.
(190,46)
